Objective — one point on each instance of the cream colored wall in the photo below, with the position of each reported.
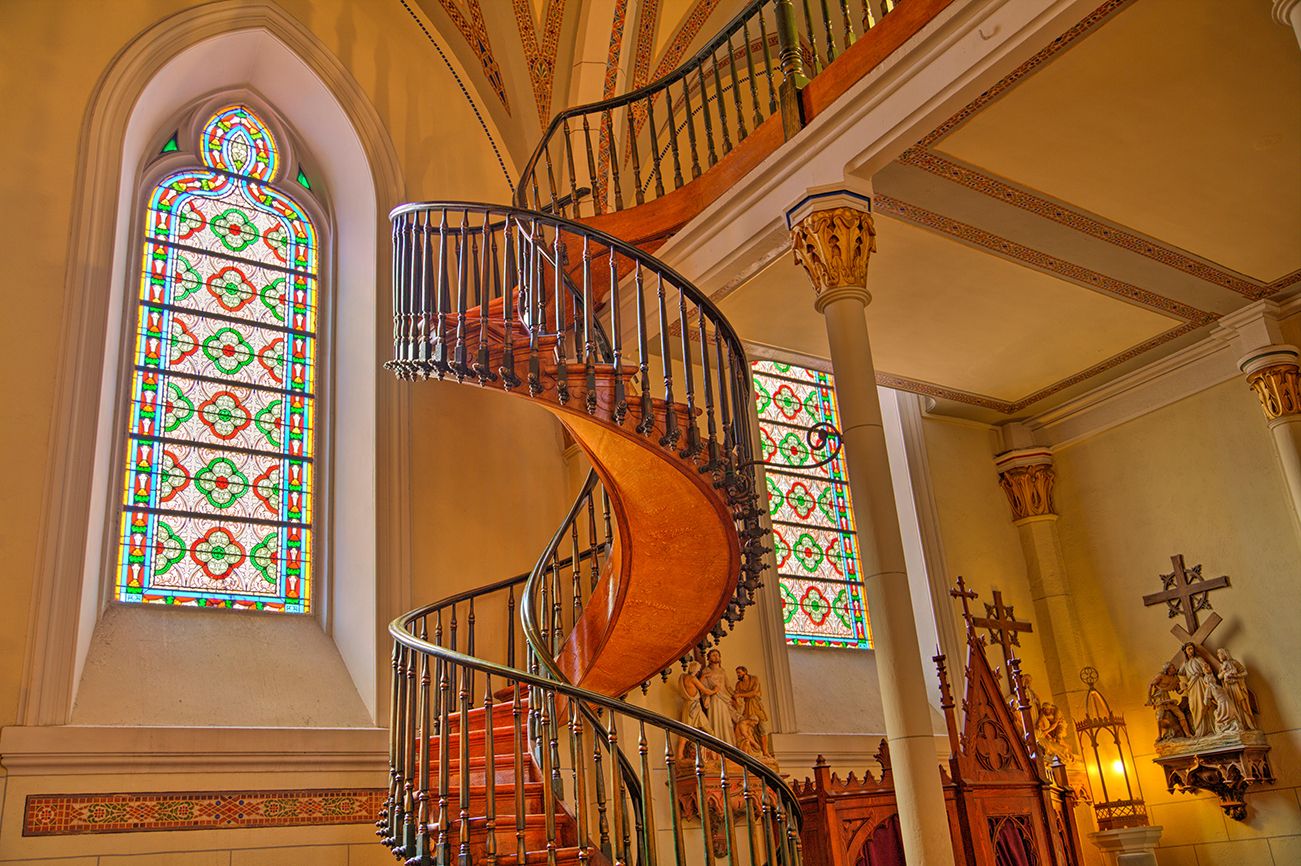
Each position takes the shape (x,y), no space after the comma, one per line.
(1199,477)
(476,456)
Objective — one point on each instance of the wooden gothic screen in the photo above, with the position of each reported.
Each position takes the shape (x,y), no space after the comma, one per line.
(1004,808)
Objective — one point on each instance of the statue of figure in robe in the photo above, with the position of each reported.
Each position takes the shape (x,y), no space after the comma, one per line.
(1233,674)
(1197,678)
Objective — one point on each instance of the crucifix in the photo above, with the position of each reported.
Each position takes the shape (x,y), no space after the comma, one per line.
(960,591)
(1184,592)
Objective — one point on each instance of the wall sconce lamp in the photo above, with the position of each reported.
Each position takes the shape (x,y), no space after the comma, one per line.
(1124,834)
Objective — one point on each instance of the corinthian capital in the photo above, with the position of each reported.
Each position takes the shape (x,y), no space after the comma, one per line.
(1274,375)
(1027,478)
(833,236)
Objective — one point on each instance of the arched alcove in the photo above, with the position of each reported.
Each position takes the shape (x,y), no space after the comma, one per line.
(236,48)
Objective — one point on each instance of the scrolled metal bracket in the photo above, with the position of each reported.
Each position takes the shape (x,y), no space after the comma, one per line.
(820,435)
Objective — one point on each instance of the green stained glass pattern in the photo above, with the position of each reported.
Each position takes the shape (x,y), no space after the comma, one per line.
(815,541)
(219,481)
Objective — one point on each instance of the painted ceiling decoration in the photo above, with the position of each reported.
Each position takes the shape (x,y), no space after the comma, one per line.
(687,32)
(645,45)
(540,55)
(467,16)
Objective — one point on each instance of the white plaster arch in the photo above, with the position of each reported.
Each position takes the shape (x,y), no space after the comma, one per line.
(231,45)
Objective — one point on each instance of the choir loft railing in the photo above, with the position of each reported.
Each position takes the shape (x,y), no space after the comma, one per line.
(633,148)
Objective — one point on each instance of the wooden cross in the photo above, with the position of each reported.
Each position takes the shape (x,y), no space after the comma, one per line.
(1003,630)
(961,591)
(1184,591)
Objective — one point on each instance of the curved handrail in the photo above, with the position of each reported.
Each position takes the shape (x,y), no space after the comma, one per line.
(704,113)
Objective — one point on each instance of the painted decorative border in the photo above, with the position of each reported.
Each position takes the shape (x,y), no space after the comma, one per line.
(922,156)
(645,45)
(1085,224)
(1010,249)
(541,58)
(475,32)
(615,49)
(78,814)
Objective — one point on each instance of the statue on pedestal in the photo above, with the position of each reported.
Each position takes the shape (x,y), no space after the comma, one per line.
(1163,696)
(1196,677)
(1233,674)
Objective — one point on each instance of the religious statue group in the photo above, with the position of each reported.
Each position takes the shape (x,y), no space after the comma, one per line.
(1052,730)
(1200,698)
(731,711)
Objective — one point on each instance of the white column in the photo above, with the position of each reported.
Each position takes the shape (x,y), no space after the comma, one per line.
(1274,374)
(1288,13)
(833,237)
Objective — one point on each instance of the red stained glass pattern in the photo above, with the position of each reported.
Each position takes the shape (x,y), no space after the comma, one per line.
(814,538)
(217,500)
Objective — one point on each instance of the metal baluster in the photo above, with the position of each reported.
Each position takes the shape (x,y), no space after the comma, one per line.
(485,282)
(422,851)
(646,834)
(458,359)
(397,301)
(887,6)
(724,786)
(598,201)
(490,762)
(706,830)
(647,421)
(655,146)
(850,38)
(670,765)
(692,447)
(548,797)
(704,111)
(691,127)
(509,287)
(466,700)
(616,793)
(598,775)
(767,65)
(638,194)
(562,371)
(517,726)
(868,20)
(765,826)
(444,299)
(595,561)
(422,322)
(554,206)
(510,628)
(444,759)
(673,138)
(409,833)
(573,175)
(736,91)
(826,24)
(711,450)
(589,344)
(671,432)
(724,401)
(620,409)
(402,783)
(723,126)
(749,69)
(818,65)
(577,757)
(748,798)
(615,180)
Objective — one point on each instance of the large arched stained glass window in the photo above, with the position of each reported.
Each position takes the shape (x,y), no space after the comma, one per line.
(217,501)
(814,539)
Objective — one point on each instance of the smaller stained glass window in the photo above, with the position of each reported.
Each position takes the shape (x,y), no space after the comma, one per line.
(815,540)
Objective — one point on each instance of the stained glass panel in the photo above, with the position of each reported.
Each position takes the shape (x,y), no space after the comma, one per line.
(217,497)
(815,541)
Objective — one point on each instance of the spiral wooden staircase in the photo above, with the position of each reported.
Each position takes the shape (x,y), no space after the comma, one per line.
(511,741)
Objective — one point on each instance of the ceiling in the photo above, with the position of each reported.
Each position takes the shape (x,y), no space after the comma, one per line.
(1098,208)
(521,55)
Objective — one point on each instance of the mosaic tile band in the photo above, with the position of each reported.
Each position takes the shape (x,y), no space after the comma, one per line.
(79,814)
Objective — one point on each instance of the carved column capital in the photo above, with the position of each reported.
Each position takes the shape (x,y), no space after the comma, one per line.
(1027,477)
(833,237)
(1274,374)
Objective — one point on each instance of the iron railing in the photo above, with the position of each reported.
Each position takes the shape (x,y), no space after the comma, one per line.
(638,146)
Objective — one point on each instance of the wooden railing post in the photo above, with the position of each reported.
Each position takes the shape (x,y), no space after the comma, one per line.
(792,66)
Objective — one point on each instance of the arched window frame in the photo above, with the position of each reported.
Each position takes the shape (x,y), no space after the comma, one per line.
(156,164)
